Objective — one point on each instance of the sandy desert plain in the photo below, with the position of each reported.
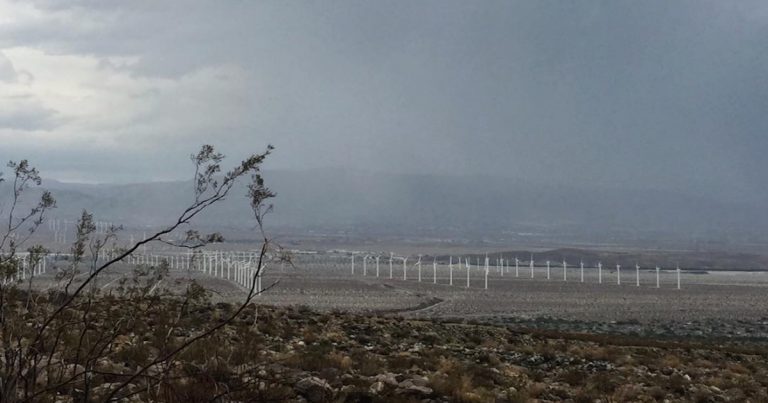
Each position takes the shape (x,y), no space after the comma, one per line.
(712,304)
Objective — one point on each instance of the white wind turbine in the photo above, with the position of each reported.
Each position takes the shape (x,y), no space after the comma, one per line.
(565,271)
(434,271)
(418,264)
(531,266)
(466,261)
(599,272)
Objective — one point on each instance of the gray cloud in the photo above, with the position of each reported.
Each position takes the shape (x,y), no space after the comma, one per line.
(668,95)
(28,118)
(7,72)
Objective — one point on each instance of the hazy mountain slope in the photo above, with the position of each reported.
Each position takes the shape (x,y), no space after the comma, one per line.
(341,200)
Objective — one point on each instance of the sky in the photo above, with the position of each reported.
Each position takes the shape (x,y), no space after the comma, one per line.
(616,94)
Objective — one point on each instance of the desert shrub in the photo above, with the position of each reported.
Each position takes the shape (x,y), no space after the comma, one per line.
(656,392)
(401,362)
(574,376)
(369,364)
(603,382)
(671,360)
(314,357)
(535,390)
(627,393)
(677,383)
(453,384)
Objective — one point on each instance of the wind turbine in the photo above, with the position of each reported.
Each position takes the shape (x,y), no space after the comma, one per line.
(466,261)
(599,272)
(418,264)
(565,271)
(434,271)
(531,266)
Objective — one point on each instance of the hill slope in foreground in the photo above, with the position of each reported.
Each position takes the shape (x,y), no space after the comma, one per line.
(297,354)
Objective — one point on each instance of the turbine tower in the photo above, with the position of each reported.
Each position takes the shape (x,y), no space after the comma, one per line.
(599,272)
(517,267)
(468,267)
(434,271)
(531,266)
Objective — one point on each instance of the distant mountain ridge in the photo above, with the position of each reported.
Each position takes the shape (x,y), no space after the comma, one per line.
(359,202)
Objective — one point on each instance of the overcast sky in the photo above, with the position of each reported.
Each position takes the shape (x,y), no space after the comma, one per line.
(614,93)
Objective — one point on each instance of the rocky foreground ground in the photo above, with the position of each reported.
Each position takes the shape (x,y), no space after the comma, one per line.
(319,354)
(297,354)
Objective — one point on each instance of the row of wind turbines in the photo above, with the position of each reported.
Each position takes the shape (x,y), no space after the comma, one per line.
(502,266)
(238,267)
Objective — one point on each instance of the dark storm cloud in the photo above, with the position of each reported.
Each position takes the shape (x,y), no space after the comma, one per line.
(618,94)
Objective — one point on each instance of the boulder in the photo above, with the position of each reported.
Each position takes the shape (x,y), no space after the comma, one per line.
(377,387)
(314,389)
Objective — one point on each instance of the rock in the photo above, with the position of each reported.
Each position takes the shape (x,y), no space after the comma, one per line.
(100,392)
(377,387)
(388,379)
(409,387)
(361,397)
(347,379)
(314,389)
(420,381)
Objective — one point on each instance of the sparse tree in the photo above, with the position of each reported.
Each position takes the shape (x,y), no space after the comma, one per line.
(122,344)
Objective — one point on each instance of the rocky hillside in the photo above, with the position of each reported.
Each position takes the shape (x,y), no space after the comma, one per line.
(299,355)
